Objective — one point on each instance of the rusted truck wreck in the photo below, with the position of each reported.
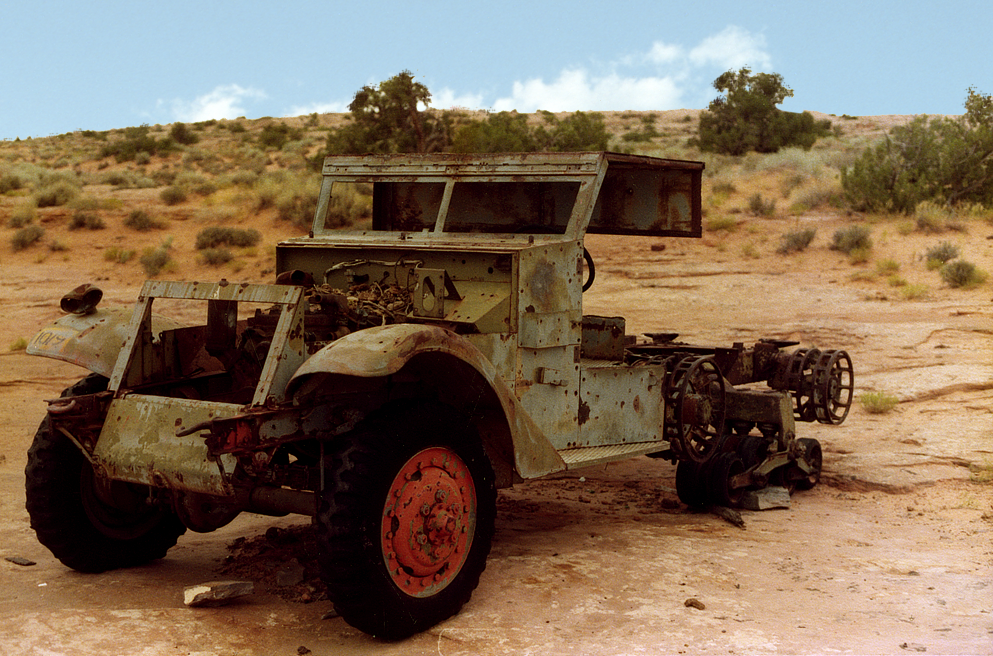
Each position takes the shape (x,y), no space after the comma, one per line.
(392,379)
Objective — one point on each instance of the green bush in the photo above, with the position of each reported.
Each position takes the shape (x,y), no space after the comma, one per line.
(88,220)
(747,118)
(795,241)
(761,207)
(183,135)
(10,182)
(26,236)
(943,252)
(173,195)
(215,256)
(153,260)
(56,194)
(850,239)
(214,236)
(297,202)
(118,255)
(945,160)
(275,135)
(23,215)
(136,140)
(142,221)
(931,217)
(878,403)
(960,273)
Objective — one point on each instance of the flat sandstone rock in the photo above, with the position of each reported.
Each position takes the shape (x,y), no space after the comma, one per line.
(216,593)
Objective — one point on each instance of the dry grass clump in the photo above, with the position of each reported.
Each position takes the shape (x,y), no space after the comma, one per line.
(878,403)
(142,221)
(26,236)
(795,241)
(216,236)
(960,273)
(23,215)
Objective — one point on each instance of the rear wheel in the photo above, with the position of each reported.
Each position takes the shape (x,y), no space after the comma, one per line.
(691,487)
(815,458)
(90,523)
(406,521)
(720,470)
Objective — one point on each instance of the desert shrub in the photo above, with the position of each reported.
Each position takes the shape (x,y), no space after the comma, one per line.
(267,191)
(724,188)
(851,238)
(914,292)
(297,201)
(960,273)
(142,221)
(56,194)
(136,140)
(142,158)
(878,403)
(26,236)
(18,344)
(153,260)
(275,135)
(940,159)
(943,252)
(719,223)
(761,207)
(215,256)
(931,217)
(10,182)
(118,255)
(173,195)
(747,118)
(349,203)
(183,135)
(243,178)
(887,267)
(795,241)
(57,246)
(24,214)
(860,255)
(82,219)
(215,236)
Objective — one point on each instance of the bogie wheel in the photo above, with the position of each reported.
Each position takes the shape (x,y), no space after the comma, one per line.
(694,408)
(690,484)
(832,388)
(720,470)
(89,523)
(406,521)
(813,455)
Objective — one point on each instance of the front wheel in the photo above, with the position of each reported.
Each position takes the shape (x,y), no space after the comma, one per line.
(90,523)
(406,521)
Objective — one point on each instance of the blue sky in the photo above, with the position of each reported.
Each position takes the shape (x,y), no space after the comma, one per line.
(107,64)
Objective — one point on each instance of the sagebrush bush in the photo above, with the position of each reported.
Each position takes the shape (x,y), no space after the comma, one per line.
(10,182)
(761,207)
(721,223)
(349,203)
(215,256)
(215,236)
(56,194)
(795,241)
(88,220)
(173,195)
(153,260)
(960,273)
(877,403)
(851,238)
(118,255)
(931,217)
(943,252)
(26,236)
(142,221)
(24,214)
(183,135)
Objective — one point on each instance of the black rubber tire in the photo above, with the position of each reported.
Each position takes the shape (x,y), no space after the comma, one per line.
(79,529)
(350,519)
(719,472)
(813,455)
(690,483)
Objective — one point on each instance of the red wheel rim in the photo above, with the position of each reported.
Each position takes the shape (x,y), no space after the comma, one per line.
(428,521)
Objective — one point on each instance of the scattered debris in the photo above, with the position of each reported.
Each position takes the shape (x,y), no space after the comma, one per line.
(910,646)
(729,515)
(766,498)
(17,560)
(693,602)
(302,651)
(216,593)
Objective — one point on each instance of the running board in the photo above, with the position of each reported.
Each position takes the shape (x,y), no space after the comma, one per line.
(596,455)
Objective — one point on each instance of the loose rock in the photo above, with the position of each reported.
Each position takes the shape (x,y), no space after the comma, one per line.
(766,499)
(17,560)
(692,602)
(216,593)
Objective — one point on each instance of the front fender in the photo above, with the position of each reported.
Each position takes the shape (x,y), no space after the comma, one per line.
(385,350)
(91,340)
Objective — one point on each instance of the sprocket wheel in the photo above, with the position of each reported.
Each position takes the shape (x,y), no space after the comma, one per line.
(831,387)
(694,407)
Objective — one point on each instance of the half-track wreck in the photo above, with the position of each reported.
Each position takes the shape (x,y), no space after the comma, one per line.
(393,378)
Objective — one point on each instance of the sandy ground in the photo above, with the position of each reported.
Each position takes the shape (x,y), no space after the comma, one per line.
(892,553)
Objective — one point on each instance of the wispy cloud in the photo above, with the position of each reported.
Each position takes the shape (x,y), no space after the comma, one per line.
(332,107)
(225,101)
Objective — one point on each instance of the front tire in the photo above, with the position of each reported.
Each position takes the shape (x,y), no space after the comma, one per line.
(406,521)
(89,523)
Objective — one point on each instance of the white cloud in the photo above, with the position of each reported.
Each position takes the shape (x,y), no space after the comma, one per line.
(732,48)
(333,107)
(576,89)
(225,101)
(664,77)
(448,99)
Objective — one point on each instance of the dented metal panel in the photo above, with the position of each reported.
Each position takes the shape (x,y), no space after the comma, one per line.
(620,405)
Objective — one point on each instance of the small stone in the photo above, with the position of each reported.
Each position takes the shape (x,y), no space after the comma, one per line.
(17,560)
(216,593)
(910,646)
(330,615)
(767,499)
(303,651)
(693,602)
(290,574)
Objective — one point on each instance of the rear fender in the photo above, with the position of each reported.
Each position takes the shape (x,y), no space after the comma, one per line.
(93,340)
(449,360)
